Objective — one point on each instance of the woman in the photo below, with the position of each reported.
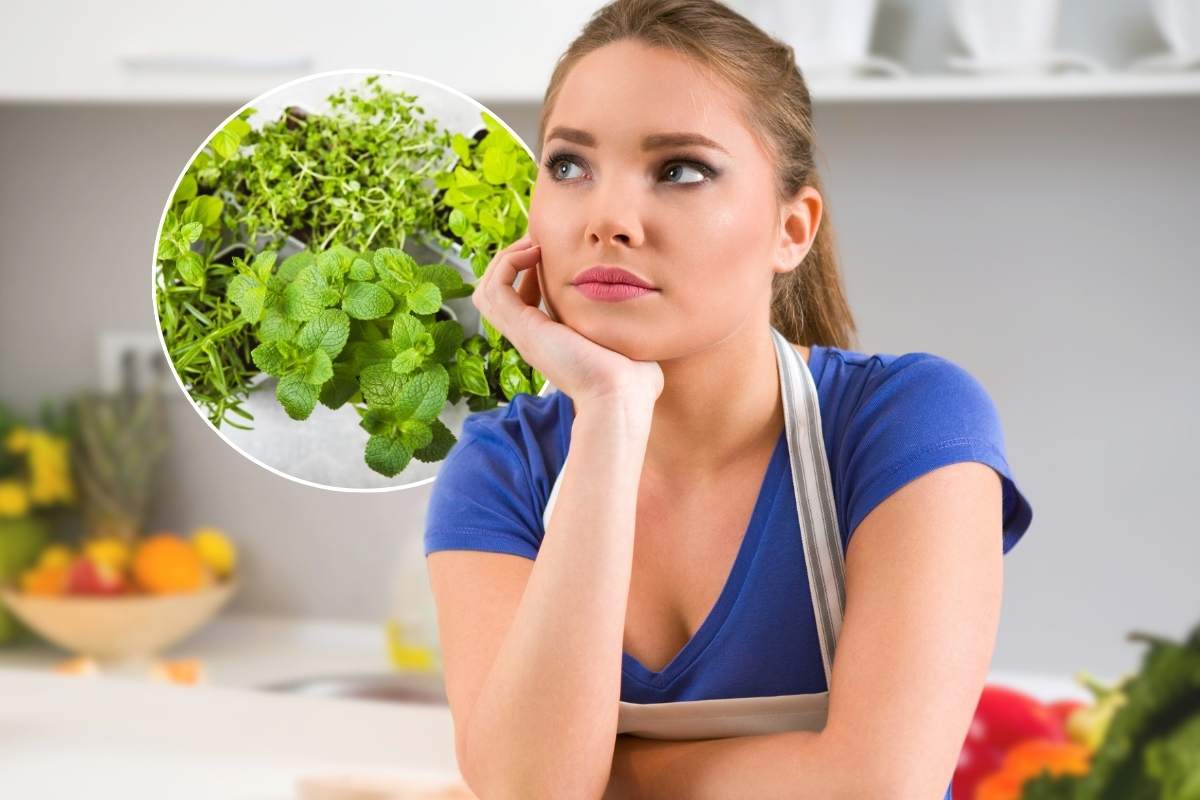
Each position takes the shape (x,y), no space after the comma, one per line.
(697,551)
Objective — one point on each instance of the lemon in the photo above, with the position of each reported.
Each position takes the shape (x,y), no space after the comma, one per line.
(408,656)
(215,550)
(110,551)
(56,555)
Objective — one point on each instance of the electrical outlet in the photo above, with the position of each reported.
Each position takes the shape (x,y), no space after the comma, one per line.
(139,352)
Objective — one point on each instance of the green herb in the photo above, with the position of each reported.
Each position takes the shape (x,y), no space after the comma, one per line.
(343,327)
(352,318)
(484,206)
(203,332)
(357,175)
(1151,750)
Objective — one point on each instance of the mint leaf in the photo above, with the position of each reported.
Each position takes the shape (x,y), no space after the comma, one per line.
(407,331)
(248,294)
(423,395)
(268,358)
(378,420)
(264,262)
(441,441)
(319,368)
(361,270)
(305,297)
(292,265)
(387,455)
(447,337)
(366,300)
(341,387)
(275,326)
(367,354)
(406,361)
(415,434)
(380,385)
(426,298)
(335,262)
(329,332)
(297,397)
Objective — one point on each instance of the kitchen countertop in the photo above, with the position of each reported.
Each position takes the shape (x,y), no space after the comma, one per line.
(119,734)
(108,737)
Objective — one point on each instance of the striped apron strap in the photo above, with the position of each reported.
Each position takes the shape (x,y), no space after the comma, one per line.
(819,534)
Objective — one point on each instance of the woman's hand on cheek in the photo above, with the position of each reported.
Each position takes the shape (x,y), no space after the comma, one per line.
(582,369)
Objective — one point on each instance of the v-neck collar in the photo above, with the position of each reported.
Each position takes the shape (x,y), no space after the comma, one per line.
(733,583)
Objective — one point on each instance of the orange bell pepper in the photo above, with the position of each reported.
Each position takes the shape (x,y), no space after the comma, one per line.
(1030,759)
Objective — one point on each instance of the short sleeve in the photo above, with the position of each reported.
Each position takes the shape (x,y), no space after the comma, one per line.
(919,413)
(482,497)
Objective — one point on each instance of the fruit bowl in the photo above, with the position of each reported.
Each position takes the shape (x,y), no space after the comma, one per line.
(119,626)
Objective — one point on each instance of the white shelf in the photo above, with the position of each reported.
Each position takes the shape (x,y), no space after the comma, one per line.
(917,88)
(966,87)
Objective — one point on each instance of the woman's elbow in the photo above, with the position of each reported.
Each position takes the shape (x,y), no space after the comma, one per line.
(533,780)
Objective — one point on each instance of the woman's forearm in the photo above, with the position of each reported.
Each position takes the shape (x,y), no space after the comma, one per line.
(544,722)
(795,764)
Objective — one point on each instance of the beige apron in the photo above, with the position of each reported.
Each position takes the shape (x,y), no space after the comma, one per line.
(743,716)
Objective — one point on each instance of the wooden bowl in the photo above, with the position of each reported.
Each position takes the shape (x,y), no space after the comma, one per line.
(120,626)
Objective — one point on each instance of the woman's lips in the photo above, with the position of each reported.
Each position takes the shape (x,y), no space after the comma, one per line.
(611,292)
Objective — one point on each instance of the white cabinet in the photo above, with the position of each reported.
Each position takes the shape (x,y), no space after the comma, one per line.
(229,52)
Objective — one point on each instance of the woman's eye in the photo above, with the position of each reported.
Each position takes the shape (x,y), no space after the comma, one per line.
(557,166)
(680,165)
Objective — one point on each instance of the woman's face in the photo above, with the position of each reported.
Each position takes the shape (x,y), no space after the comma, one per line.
(699,222)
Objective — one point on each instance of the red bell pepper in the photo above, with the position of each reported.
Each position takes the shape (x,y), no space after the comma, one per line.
(1003,717)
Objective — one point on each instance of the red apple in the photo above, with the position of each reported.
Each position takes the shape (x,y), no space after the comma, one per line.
(93,578)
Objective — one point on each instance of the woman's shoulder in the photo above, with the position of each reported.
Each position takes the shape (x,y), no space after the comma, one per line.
(533,430)
(883,377)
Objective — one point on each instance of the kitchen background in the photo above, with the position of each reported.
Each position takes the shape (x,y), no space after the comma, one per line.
(1043,238)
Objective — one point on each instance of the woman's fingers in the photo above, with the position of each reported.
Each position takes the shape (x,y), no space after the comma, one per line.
(499,303)
(529,288)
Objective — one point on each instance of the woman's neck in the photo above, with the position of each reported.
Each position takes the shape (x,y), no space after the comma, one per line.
(718,406)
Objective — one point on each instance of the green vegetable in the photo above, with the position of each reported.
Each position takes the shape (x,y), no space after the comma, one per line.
(1152,747)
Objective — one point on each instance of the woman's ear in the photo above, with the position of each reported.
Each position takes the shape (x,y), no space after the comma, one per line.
(799,220)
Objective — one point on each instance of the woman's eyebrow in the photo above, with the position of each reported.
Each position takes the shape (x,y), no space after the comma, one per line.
(653,142)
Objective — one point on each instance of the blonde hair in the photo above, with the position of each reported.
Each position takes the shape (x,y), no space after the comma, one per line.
(808,304)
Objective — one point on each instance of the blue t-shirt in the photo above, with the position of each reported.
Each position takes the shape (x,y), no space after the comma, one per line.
(886,420)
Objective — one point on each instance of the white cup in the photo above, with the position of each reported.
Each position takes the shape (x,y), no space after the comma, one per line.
(1009,32)
(1179,23)
(1015,36)
(831,38)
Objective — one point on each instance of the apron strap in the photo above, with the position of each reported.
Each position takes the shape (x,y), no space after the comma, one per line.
(813,487)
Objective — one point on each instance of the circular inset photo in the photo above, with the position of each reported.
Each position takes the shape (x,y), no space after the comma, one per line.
(313,271)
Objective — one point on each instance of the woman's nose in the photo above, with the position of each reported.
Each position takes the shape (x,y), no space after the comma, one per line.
(615,217)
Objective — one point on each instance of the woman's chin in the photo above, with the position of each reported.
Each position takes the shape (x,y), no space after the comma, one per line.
(628,336)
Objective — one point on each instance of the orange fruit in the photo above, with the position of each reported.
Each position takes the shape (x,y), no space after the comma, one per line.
(165,563)
(46,580)
(186,671)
